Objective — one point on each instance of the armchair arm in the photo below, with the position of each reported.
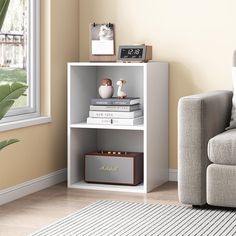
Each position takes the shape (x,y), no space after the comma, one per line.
(200,117)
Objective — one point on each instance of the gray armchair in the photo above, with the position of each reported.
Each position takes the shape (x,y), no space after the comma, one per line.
(206,152)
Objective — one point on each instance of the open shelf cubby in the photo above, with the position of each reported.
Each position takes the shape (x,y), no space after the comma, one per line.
(149,81)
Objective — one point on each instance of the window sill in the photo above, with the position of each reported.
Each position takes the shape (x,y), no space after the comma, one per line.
(24,123)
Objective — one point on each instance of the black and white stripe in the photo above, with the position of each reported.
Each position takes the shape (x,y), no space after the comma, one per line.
(112,218)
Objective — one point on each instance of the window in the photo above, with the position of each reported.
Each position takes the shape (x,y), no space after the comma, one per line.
(19,55)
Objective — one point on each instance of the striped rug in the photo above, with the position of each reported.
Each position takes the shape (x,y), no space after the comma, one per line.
(109,218)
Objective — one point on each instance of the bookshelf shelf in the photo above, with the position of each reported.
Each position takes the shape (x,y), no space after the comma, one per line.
(149,81)
(109,187)
(84,125)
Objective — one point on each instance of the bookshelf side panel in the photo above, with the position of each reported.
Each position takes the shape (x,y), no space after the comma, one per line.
(157,124)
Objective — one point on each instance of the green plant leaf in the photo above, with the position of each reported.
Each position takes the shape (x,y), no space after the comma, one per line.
(4,107)
(3,11)
(6,143)
(8,94)
(12,91)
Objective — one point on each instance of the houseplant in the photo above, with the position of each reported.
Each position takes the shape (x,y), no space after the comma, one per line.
(9,93)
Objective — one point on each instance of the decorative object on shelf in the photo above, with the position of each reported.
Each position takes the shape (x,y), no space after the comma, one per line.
(115,111)
(114,167)
(120,93)
(116,114)
(116,101)
(135,53)
(115,108)
(115,121)
(106,89)
(102,42)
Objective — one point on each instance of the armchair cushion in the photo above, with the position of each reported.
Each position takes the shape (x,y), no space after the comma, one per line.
(222,148)
(221,185)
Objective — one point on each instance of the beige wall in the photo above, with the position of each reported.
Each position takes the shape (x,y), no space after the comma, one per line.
(42,148)
(197,38)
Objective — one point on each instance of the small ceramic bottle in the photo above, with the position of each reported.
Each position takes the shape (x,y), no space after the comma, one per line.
(106,89)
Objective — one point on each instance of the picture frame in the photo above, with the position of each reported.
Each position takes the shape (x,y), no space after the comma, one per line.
(102,42)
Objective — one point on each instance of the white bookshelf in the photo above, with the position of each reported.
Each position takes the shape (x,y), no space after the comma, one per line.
(149,81)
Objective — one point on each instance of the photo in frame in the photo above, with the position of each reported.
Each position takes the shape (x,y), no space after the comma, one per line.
(102,36)
(102,42)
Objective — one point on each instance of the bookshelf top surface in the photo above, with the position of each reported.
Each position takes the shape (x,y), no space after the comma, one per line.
(113,63)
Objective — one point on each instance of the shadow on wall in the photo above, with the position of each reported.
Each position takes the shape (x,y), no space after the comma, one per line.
(181,80)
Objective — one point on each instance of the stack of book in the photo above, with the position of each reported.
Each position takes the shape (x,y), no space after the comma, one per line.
(115,111)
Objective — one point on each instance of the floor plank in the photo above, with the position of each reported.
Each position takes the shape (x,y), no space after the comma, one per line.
(37,210)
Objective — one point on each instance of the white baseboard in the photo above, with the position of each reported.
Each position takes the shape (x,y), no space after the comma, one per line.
(35,185)
(173,175)
(32,186)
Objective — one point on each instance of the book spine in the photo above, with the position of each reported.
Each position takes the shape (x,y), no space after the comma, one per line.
(102,102)
(135,121)
(106,114)
(115,101)
(99,121)
(125,102)
(114,108)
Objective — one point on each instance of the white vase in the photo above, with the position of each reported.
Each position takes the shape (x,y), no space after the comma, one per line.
(106,91)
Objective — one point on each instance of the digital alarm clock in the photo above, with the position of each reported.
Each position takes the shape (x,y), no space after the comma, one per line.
(135,53)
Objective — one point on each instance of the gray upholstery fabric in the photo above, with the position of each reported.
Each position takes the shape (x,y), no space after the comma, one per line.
(200,117)
(222,148)
(221,185)
(233,112)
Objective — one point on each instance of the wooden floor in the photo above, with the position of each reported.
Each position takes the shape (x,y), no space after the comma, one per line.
(37,210)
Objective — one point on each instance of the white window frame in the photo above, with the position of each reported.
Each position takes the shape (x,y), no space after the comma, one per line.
(33,68)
